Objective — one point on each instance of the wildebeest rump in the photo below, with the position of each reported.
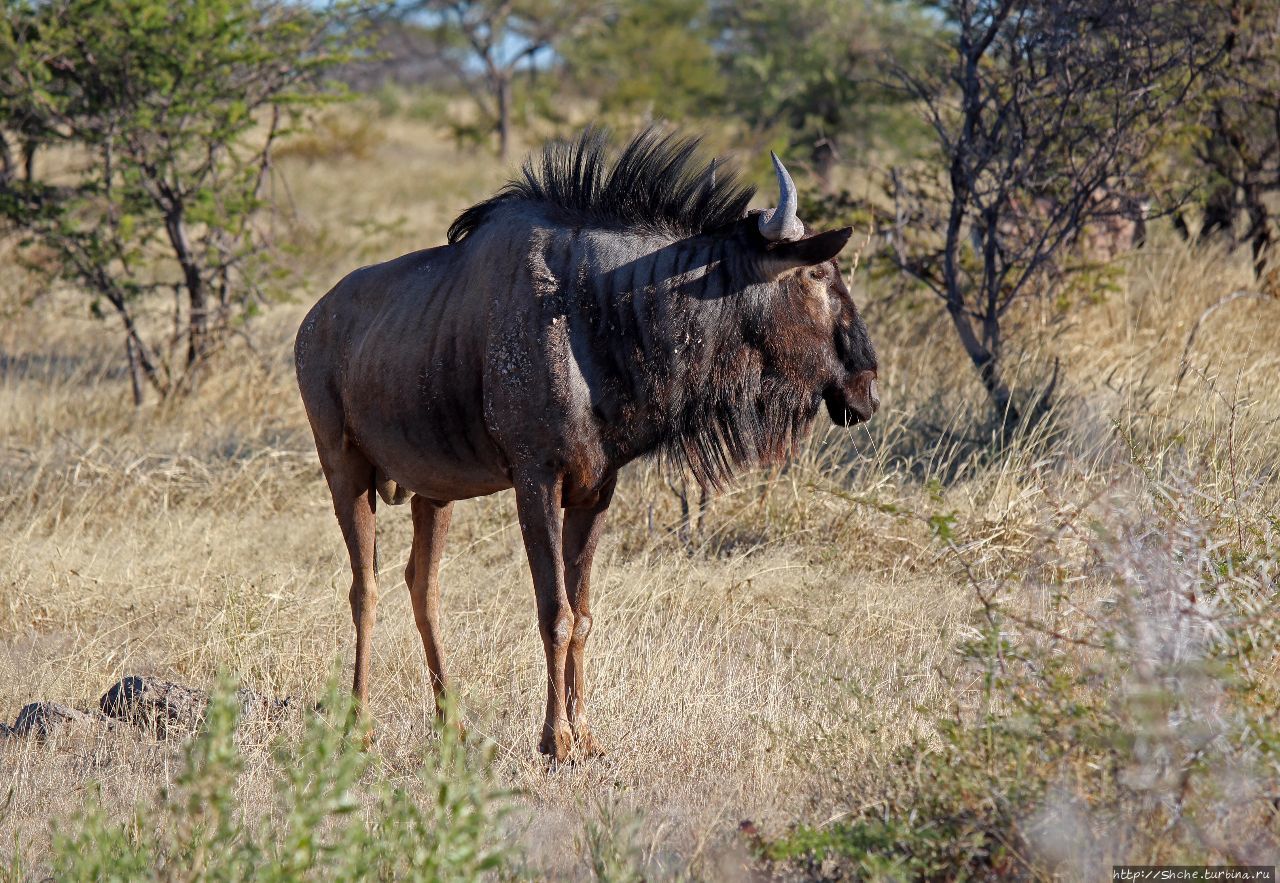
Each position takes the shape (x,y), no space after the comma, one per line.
(597,309)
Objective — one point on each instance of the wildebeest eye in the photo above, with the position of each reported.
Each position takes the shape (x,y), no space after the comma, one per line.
(817,273)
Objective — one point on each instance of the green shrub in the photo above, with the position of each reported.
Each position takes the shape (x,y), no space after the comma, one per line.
(610,847)
(325,824)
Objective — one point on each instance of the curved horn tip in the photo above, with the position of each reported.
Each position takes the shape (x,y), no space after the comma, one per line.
(780,224)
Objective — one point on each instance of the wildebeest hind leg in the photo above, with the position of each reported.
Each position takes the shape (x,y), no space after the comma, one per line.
(422,576)
(350,477)
(541,522)
(582,529)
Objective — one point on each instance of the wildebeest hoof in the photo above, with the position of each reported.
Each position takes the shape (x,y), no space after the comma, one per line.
(586,744)
(557,741)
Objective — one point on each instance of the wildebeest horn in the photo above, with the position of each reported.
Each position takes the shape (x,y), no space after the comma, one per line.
(781,224)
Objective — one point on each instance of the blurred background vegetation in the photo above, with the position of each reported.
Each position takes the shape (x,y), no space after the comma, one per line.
(995,151)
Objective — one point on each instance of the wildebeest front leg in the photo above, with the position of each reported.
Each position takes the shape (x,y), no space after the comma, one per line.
(541,523)
(422,576)
(582,528)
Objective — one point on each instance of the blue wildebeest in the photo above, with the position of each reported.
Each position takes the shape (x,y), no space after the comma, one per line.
(598,309)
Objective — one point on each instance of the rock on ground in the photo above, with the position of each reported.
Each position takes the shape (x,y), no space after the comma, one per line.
(159,707)
(256,707)
(163,706)
(43,719)
(155,705)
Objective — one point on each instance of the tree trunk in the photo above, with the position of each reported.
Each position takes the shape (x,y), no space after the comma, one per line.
(504,116)
(198,331)
(1259,233)
(29,160)
(1220,212)
(141,365)
(990,372)
(197,297)
(135,370)
(825,160)
(6,159)
(1180,226)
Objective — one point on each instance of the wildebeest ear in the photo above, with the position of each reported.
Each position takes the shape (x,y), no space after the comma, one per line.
(816,249)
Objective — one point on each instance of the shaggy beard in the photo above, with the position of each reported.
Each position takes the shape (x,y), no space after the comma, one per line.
(719,436)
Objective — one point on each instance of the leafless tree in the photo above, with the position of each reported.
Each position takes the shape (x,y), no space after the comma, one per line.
(1239,153)
(1043,103)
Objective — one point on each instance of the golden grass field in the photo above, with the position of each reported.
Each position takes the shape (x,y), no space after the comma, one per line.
(764,669)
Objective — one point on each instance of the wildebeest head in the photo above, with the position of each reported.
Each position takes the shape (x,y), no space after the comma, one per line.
(816,312)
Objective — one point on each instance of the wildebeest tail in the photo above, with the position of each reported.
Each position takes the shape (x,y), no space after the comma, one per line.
(391,493)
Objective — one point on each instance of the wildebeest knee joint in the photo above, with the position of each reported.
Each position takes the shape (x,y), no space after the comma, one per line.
(562,629)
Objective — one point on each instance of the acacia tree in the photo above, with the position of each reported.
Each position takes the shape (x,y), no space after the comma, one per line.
(653,57)
(816,68)
(169,110)
(1039,110)
(488,42)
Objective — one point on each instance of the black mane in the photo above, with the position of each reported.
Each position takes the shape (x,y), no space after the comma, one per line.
(653,184)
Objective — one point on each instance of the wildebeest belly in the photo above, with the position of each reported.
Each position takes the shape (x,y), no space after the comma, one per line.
(424,447)
(417,414)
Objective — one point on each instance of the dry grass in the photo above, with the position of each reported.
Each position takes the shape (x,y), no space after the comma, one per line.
(767,672)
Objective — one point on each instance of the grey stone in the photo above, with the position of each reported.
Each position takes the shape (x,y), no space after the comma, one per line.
(165,707)
(155,705)
(43,719)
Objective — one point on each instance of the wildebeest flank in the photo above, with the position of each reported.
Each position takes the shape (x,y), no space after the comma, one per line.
(596,310)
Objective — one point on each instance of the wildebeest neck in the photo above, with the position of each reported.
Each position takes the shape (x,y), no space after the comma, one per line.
(670,339)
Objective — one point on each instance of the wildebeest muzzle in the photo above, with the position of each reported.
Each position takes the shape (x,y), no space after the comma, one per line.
(853,401)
